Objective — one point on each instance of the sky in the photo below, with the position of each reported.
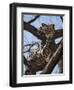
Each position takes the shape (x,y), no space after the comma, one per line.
(47,19)
(44,19)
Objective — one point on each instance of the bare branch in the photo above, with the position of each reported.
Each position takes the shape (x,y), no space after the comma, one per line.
(58,33)
(31,44)
(61,17)
(34,19)
(25,61)
(34,31)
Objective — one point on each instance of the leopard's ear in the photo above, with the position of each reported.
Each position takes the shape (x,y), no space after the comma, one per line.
(52,26)
(43,24)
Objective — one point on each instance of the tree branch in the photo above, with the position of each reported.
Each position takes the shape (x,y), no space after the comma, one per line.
(60,63)
(61,17)
(34,31)
(32,44)
(40,35)
(25,61)
(58,33)
(34,19)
